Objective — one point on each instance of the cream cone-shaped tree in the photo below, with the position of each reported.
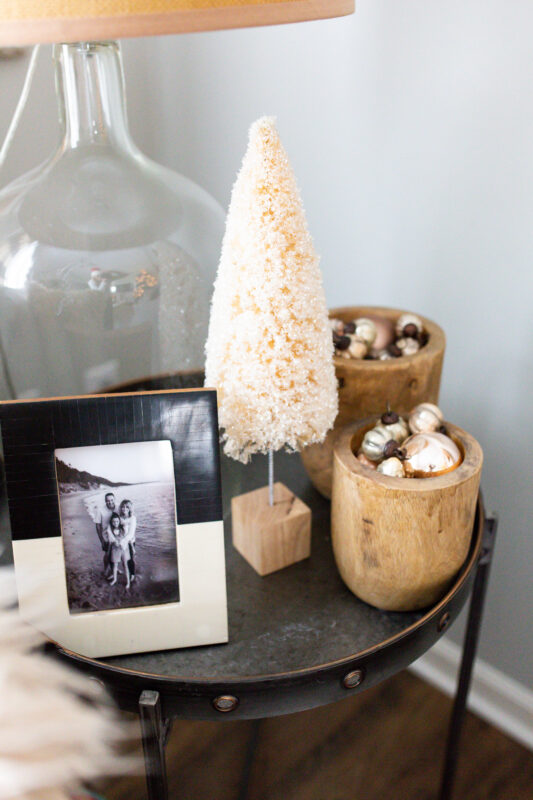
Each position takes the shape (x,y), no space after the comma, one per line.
(269,349)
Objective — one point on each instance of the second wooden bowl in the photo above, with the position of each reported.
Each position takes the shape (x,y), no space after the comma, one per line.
(366,387)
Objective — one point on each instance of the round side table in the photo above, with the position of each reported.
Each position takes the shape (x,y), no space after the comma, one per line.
(297,638)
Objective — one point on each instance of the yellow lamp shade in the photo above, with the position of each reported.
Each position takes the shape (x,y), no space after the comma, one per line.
(32,21)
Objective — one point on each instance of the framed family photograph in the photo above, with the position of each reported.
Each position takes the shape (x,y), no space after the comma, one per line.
(116,519)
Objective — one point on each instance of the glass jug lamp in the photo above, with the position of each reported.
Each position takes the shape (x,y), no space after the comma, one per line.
(106,258)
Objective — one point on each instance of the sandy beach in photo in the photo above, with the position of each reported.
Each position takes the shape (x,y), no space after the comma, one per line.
(156,574)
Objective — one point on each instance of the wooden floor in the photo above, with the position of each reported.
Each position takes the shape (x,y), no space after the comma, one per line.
(384,744)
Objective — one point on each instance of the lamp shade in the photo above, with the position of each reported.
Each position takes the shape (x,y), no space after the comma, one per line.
(32,21)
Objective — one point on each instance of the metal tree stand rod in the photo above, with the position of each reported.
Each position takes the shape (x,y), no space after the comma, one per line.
(271,477)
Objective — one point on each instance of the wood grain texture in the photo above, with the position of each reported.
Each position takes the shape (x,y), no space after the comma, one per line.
(398,542)
(67,23)
(271,537)
(365,388)
(387,742)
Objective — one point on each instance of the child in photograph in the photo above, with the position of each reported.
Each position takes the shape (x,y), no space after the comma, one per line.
(116,536)
(129,523)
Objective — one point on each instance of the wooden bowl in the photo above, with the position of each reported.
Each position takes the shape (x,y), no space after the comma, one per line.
(398,542)
(365,388)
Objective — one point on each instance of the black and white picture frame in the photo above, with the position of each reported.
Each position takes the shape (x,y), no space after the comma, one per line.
(115,506)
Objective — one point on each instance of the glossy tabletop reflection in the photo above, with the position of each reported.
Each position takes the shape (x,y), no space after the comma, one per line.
(294,619)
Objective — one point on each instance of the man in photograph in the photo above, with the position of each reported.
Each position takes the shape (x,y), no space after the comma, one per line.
(102,520)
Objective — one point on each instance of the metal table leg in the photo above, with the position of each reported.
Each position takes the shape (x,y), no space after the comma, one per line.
(249,760)
(469,652)
(154,733)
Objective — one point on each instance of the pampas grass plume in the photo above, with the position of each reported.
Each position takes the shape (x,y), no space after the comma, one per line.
(55,731)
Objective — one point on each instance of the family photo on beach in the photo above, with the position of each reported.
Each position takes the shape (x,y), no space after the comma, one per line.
(116,527)
(118,524)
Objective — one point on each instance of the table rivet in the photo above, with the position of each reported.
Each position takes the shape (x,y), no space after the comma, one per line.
(225,703)
(353,679)
(444,621)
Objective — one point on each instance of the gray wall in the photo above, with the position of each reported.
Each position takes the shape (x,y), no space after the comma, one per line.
(410,128)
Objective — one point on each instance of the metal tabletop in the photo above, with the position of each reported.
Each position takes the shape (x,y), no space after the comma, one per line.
(298,638)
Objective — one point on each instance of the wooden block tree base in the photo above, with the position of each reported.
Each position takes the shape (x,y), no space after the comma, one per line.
(271,537)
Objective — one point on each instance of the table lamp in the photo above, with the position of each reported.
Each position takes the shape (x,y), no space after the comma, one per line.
(106,258)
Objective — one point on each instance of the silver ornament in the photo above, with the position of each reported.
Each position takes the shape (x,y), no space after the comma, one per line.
(409,319)
(374,442)
(425,418)
(398,430)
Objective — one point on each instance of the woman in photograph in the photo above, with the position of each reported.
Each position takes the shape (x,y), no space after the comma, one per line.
(129,523)
(118,546)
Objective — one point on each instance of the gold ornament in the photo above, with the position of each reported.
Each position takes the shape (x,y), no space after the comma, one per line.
(356,349)
(429,455)
(337,326)
(425,418)
(392,467)
(366,330)
(365,461)
(408,346)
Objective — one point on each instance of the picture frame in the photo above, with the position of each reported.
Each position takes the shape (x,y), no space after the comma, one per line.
(154,578)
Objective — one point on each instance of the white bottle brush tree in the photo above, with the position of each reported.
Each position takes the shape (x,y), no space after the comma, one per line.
(269,349)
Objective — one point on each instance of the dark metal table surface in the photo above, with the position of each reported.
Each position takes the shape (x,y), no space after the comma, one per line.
(298,638)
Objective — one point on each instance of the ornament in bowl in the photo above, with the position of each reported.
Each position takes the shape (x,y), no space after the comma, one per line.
(375,337)
(418,448)
(368,383)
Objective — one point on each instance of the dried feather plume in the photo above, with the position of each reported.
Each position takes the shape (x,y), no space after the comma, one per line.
(269,351)
(54,732)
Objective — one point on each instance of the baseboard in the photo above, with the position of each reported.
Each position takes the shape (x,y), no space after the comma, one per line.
(498,699)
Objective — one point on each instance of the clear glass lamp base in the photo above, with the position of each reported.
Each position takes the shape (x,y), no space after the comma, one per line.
(106,258)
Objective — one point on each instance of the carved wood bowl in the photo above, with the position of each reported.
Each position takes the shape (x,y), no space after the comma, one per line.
(365,387)
(399,542)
